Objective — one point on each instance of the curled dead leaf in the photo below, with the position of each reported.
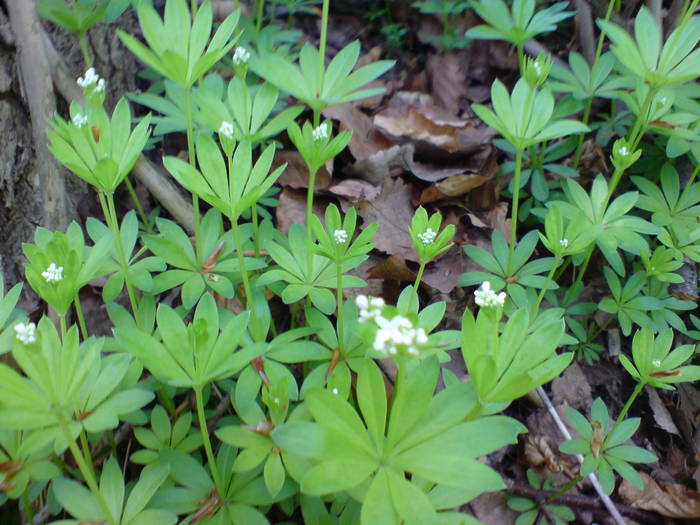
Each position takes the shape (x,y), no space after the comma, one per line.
(670,500)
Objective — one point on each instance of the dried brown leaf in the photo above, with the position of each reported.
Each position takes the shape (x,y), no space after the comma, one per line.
(671,500)
(393,211)
(447,80)
(292,209)
(296,175)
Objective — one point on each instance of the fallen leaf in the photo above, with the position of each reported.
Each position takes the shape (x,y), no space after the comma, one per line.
(415,117)
(393,211)
(662,416)
(377,167)
(572,388)
(447,80)
(354,190)
(393,268)
(366,140)
(296,175)
(670,500)
(292,208)
(444,274)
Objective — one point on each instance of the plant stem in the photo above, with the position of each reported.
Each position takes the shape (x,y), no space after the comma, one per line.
(27,506)
(514,207)
(139,207)
(114,225)
(557,261)
(192,157)
(244,271)
(207,441)
(582,136)
(193,7)
(566,488)
(256,229)
(621,416)
(259,16)
(582,270)
(416,284)
(86,471)
(81,317)
(322,42)
(309,212)
(236,5)
(521,58)
(339,318)
(62,323)
(85,50)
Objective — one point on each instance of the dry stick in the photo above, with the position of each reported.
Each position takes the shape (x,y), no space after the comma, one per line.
(584,502)
(609,505)
(157,183)
(584,17)
(35,75)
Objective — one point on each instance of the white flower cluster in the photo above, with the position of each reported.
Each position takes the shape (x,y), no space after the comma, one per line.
(91,78)
(53,273)
(26,333)
(623,151)
(564,243)
(428,236)
(241,56)
(370,307)
(656,363)
(341,236)
(226,129)
(321,132)
(537,66)
(80,119)
(395,335)
(485,297)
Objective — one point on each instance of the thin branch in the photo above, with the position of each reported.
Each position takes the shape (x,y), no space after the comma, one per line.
(584,502)
(609,505)
(35,75)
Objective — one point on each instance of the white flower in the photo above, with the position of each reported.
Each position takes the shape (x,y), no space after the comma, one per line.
(537,67)
(26,333)
(53,273)
(623,151)
(370,308)
(486,297)
(564,243)
(341,236)
(241,56)
(398,335)
(335,391)
(100,86)
(80,119)
(226,129)
(428,236)
(656,363)
(322,132)
(90,78)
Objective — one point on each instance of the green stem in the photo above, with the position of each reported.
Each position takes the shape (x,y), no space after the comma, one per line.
(557,261)
(193,7)
(309,212)
(123,257)
(521,58)
(601,328)
(514,207)
(259,16)
(416,284)
(27,506)
(322,42)
(256,229)
(81,317)
(62,323)
(86,472)
(236,5)
(566,488)
(339,292)
(139,207)
(621,416)
(85,50)
(244,271)
(192,157)
(84,445)
(207,442)
(582,270)
(582,136)
(691,179)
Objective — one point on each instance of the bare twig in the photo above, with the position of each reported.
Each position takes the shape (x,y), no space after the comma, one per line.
(35,74)
(159,184)
(607,502)
(584,502)
(584,18)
